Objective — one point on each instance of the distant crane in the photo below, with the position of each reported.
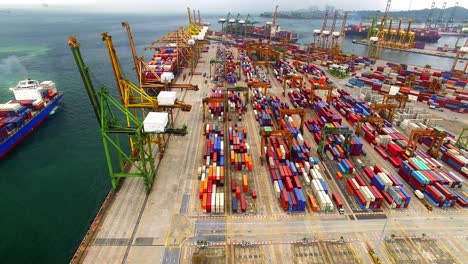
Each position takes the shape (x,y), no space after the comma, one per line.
(329,39)
(440,20)
(273,23)
(338,43)
(428,23)
(382,32)
(320,33)
(452,16)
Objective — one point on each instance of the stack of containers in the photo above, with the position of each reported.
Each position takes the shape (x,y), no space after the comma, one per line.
(216,109)
(164,61)
(211,173)
(235,103)
(241,159)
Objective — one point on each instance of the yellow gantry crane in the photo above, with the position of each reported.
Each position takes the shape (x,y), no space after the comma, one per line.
(142,68)
(192,27)
(136,100)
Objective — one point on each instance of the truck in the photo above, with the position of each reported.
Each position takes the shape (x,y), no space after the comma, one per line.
(338,202)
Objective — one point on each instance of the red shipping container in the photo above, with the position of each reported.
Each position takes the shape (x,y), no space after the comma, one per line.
(360,181)
(254,194)
(238,192)
(350,188)
(233,185)
(361,197)
(377,169)
(297,182)
(208,203)
(243,204)
(288,184)
(293,199)
(369,173)
(387,197)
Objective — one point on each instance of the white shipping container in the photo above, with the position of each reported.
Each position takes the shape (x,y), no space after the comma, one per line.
(221,203)
(300,139)
(277,189)
(355,182)
(207,161)
(213,201)
(306,178)
(419,194)
(203,176)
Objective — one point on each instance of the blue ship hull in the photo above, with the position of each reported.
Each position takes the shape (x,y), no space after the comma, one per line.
(7,145)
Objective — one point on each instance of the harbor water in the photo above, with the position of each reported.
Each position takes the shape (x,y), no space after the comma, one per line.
(53,183)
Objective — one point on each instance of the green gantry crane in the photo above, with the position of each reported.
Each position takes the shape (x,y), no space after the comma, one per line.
(108,111)
(462,141)
(326,131)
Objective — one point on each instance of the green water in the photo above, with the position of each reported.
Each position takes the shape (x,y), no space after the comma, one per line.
(53,183)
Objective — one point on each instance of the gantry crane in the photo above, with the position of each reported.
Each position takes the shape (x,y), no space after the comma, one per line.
(265,134)
(273,28)
(300,112)
(440,20)
(380,107)
(327,131)
(262,85)
(462,141)
(240,86)
(329,39)
(108,111)
(337,42)
(292,78)
(452,16)
(374,120)
(324,25)
(434,87)
(407,44)
(381,34)
(388,32)
(324,87)
(428,23)
(137,100)
(437,141)
(394,33)
(210,100)
(401,98)
(409,80)
(460,53)
(142,69)
(192,27)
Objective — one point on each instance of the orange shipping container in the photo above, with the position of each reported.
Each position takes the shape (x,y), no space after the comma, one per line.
(205,197)
(313,203)
(205,186)
(201,189)
(339,175)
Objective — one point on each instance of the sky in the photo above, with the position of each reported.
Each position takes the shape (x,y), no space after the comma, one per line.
(220,6)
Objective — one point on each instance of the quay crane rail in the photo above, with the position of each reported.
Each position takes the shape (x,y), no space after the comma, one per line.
(107,111)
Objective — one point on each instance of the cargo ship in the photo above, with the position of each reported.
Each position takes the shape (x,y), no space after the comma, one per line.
(428,35)
(18,118)
(245,27)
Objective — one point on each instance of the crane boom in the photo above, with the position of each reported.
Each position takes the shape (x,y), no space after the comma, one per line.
(440,20)
(452,16)
(126,25)
(428,23)
(324,23)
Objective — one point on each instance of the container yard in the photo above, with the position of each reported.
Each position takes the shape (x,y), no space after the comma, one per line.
(281,162)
